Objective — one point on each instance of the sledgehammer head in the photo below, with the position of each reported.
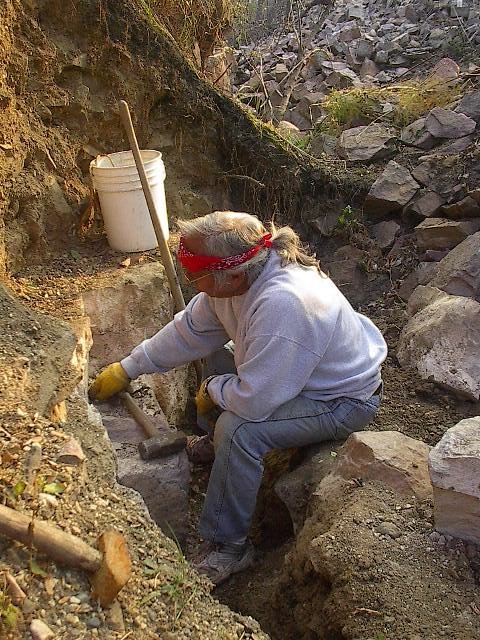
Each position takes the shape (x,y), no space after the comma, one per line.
(164,444)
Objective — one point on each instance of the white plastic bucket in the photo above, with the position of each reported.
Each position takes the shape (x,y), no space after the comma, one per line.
(124,208)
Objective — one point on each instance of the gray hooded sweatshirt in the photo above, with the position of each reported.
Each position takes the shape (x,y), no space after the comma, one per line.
(294,333)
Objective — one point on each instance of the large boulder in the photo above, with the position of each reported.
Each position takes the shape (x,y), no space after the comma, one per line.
(454,470)
(131,308)
(442,233)
(361,144)
(459,272)
(442,342)
(391,191)
(443,123)
(388,457)
(162,482)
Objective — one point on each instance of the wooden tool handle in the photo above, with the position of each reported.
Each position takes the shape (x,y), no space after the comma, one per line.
(177,294)
(55,543)
(140,416)
(162,243)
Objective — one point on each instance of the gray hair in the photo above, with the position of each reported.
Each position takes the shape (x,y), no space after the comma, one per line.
(229,233)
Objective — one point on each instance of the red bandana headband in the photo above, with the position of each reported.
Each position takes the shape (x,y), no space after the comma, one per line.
(194,263)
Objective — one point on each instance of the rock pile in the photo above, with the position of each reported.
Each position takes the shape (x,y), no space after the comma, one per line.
(353,45)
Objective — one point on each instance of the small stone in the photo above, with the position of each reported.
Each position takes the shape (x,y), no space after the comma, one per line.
(389,529)
(71,618)
(40,631)
(28,607)
(16,594)
(93,622)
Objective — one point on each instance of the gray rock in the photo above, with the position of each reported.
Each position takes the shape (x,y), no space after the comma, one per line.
(366,143)
(456,146)
(323,144)
(417,135)
(446,69)
(424,272)
(469,105)
(454,470)
(385,233)
(443,123)
(465,208)
(364,48)
(440,233)
(442,342)
(93,622)
(427,204)
(389,529)
(309,107)
(381,56)
(459,272)
(391,191)
(280,72)
(368,68)
(342,79)
(295,488)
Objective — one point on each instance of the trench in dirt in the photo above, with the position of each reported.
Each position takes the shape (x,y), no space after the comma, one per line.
(172,489)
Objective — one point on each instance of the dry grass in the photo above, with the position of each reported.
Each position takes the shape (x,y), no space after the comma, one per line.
(398,104)
(195,25)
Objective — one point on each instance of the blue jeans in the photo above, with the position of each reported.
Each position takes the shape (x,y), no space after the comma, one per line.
(240,446)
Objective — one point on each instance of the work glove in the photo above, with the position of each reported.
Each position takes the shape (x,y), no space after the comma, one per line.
(203,401)
(112,380)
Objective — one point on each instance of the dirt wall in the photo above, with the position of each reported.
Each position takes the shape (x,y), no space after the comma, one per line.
(64,71)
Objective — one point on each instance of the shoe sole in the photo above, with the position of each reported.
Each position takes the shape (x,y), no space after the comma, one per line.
(246,562)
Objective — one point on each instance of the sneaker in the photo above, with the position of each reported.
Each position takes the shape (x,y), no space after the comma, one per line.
(225,560)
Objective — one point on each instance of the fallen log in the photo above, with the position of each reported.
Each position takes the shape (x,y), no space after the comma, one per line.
(110,568)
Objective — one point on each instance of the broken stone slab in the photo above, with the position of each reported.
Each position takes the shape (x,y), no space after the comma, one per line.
(459,272)
(385,233)
(427,204)
(454,471)
(309,107)
(368,69)
(365,143)
(388,457)
(442,342)
(416,134)
(422,275)
(465,208)
(446,69)
(391,191)
(349,32)
(442,233)
(71,453)
(455,146)
(424,173)
(364,48)
(423,296)
(342,79)
(163,484)
(295,488)
(280,72)
(469,105)
(134,306)
(323,144)
(443,123)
